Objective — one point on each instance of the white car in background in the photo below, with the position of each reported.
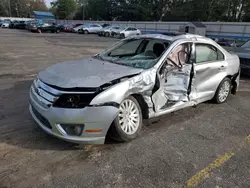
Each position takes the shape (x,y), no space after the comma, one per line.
(129,31)
(5,24)
(108,31)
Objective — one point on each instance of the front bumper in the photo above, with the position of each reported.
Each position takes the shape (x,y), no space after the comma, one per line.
(92,118)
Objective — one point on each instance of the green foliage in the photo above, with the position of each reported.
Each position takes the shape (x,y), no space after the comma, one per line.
(21,8)
(65,9)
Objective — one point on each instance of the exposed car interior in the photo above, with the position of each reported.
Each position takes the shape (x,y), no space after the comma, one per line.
(139,53)
(174,78)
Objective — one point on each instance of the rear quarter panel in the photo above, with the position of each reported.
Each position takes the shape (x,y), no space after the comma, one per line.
(233,64)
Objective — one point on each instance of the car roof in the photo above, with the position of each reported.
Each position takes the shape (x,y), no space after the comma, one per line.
(174,38)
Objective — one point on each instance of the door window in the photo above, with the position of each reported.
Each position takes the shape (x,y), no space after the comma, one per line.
(179,55)
(207,53)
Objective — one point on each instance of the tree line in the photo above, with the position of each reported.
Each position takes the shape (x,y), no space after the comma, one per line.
(20,8)
(136,10)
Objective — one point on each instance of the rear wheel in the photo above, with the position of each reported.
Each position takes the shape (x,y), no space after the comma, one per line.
(223,91)
(128,122)
(107,34)
(57,30)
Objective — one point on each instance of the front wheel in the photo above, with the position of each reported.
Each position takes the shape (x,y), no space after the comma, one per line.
(57,30)
(122,36)
(128,122)
(86,32)
(223,91)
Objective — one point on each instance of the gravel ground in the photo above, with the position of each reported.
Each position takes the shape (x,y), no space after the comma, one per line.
(206,146)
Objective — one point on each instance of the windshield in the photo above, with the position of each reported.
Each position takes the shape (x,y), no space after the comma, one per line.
(246,45)
(136,52)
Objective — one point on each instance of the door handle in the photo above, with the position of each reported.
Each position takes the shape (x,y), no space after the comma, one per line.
(222,67)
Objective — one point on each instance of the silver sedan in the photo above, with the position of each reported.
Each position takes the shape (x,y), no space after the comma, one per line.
(138,78)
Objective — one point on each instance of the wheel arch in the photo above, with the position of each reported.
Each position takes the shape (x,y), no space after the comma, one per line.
(234,83)
(143,105)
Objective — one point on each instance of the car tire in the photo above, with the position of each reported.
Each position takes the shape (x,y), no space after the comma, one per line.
(57,30)
(122,36)
(121,129)
(223,91)
(107,34)
(86,32)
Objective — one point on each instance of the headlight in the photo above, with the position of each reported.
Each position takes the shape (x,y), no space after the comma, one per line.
(74,100)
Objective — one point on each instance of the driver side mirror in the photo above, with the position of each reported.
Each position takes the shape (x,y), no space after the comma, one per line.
(183,57)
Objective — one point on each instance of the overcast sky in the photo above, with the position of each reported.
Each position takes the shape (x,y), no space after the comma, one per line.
(48,2)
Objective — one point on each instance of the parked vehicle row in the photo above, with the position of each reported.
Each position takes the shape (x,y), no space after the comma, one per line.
(119,31)
(40,26)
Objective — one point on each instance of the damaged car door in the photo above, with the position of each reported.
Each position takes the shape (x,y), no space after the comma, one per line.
(174,78)
(210,67)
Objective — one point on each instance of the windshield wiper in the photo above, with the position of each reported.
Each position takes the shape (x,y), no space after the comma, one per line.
(99,57)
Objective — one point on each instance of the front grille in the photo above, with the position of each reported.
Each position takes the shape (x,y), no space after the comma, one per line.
(44,94)
(42,119)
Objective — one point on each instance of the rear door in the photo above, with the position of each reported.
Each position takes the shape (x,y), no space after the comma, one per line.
(133,31)
(91,28)
(210,68)
(95,28)
(129,31)
(98,28)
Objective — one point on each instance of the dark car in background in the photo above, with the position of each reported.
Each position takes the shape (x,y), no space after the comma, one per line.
(13,24)
(61,27)
(21,25)
(45,27)
(243,52)
(18,24)
(225,42)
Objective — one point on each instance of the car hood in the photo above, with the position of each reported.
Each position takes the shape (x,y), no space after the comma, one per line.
(85,73)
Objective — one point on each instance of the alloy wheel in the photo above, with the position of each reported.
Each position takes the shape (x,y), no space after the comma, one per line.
(224,91)
(129,117)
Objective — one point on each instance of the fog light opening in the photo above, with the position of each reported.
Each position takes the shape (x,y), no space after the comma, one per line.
(73,130)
